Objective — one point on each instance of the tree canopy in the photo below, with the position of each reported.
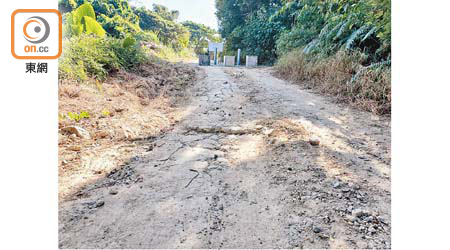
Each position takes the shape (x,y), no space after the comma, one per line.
(200,35)
(269,28)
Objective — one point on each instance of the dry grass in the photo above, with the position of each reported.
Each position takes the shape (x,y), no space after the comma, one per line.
(371,91)
(123,111)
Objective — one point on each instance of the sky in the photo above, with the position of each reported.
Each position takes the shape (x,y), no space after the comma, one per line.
(199,11)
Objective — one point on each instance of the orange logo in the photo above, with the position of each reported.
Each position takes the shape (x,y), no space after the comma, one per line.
(36,34)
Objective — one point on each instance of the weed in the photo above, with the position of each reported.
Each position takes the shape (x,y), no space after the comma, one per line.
(336,76)
(77,117)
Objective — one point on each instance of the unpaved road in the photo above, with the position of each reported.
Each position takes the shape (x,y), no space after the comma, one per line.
(239,172)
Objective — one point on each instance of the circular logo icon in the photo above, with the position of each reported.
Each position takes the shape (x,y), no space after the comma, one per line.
(36,29)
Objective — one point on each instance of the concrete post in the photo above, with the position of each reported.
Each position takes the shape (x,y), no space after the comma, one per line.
(215,56)
(239,57)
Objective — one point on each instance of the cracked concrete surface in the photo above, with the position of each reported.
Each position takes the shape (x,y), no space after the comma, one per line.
(239,172)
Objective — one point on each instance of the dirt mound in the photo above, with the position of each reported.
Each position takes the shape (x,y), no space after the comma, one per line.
(128,109)
(284,130)
(152,79)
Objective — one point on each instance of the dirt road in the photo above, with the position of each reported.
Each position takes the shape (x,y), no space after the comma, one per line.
(240,171)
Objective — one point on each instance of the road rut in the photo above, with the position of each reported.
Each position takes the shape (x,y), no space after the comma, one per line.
(240,171)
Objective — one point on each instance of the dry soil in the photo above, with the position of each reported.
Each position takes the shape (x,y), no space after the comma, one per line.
(243,170)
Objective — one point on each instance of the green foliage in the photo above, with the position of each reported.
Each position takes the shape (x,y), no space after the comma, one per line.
(233,13)
(109,8)
(147,36)
(128,42)
(115,16)
(321,27)
(118,26)
(258,37)
(164,12)
(128,52)
(82,20)
(118,39)
(85,56)
(244,24)
(84,10)
(91,26)
(67,5)
(112,8)
(200,35)
(89,56)
(78,116)
(339,47)
(162,23)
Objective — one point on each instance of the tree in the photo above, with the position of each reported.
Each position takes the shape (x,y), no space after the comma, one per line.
(244,24)
(162,23)
(200,35)
(269,28)
(165,13)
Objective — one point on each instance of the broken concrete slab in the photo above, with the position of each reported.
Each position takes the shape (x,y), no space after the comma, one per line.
(229,60)
(251,61)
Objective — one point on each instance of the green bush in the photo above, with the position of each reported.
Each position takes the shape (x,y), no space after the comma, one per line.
(90,56)
(128,52)
(118,26)
(87,55)
(119,40)
(147,36)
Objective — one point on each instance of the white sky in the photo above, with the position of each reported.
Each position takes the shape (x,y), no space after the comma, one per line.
(199,11)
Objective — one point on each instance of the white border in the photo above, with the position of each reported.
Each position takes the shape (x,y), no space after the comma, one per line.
(29,144)
(420,124)
(420,132)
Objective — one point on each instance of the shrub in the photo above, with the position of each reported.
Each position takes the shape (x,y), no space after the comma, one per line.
(128,52)
(147,36)
(89,56)
(118,26)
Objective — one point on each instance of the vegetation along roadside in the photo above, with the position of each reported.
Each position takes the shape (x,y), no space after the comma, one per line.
(119,83)
(340,48)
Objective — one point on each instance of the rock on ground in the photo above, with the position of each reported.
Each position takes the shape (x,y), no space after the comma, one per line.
(264,187)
